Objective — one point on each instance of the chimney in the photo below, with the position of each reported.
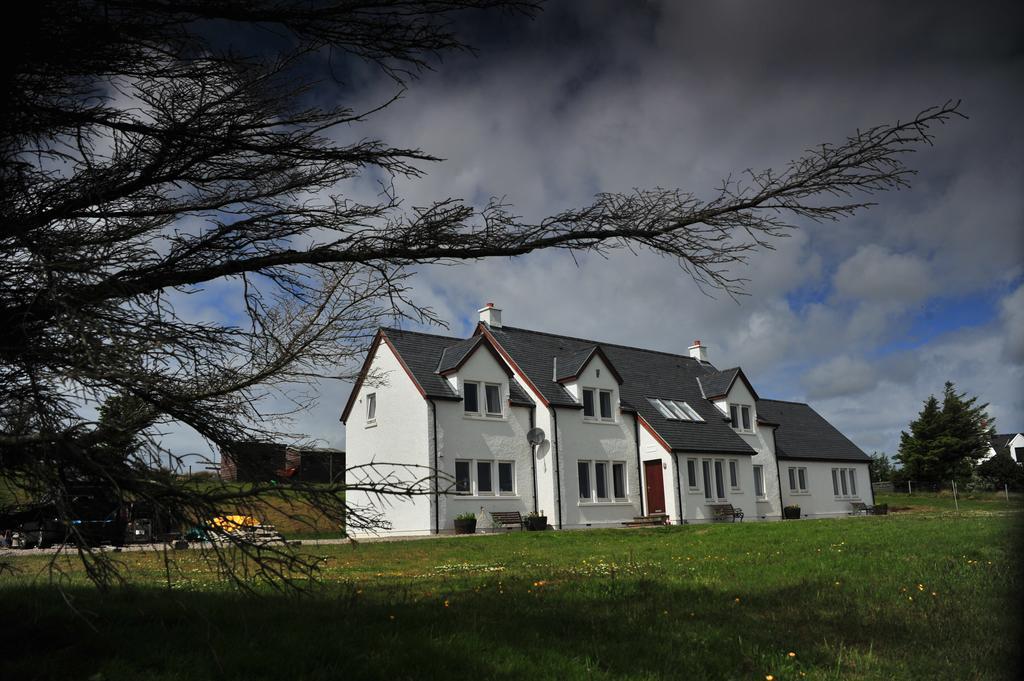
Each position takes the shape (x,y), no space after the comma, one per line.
(490,315)
(699,352)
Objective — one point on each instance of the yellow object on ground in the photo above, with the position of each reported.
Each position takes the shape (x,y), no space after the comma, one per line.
(235,523)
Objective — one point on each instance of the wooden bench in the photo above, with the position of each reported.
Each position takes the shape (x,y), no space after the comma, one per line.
(723,511)
(861,507)
(507,519)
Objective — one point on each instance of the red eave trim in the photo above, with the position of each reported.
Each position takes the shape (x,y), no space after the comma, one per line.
(654,434)
(489,344)
(512,363)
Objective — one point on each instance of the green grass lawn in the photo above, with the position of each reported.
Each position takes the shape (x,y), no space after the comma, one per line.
(905,596)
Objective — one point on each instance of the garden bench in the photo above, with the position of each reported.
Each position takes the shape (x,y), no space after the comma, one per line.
(861,507)
(507,518)
(723,511)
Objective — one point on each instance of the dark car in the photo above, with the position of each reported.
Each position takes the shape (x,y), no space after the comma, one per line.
(97,517)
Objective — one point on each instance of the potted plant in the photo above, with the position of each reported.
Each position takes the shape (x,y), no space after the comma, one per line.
(791,512)
(535,522)
(465,523)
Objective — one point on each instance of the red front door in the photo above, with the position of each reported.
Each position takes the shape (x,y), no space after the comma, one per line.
(655,487)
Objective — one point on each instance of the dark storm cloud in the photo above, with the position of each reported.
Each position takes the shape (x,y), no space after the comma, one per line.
(608,96)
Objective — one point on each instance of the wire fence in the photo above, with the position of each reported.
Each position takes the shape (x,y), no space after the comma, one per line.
(931,487)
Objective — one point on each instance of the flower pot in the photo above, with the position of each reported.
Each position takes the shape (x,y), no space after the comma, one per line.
(791,513)
(537,523)
(465,526)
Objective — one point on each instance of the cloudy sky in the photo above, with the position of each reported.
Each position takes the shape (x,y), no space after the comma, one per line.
(863,318)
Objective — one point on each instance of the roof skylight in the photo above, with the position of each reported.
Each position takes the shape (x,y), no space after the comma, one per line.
(675,410)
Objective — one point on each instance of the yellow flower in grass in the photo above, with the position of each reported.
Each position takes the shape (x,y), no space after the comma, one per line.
(791,654)
(446,602)
(769,677)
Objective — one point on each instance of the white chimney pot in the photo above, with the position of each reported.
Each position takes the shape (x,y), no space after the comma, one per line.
(698,351)
(490,315)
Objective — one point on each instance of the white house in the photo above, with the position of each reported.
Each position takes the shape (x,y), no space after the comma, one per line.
(628,433)
(1011,444)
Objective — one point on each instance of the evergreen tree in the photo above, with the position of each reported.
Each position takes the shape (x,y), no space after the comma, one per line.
(944,444)
(880,469)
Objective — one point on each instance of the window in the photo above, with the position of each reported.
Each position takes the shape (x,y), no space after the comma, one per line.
(719,482)
(601,480)
(604,404)
(471,398)
(506,480)
(691,474)
(798,480)
(706,469)
(619,480)
(759,481)
(598,478)
(739,417)
(583,469)
(476,477)
(588,403)
(484,484)
(734,474)
(462,483)
(844,482)
(675,410)
(371,408)
(492,393)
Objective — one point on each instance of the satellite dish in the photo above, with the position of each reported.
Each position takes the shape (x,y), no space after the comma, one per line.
(535,436)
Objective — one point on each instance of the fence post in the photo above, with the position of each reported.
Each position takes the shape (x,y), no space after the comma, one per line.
(910,487)
(955,502)
(1006,491)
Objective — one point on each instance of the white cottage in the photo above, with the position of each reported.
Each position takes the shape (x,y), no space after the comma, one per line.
(628,433)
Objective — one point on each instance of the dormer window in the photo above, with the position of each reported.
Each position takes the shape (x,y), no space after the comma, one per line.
(491,399)
(597,405)
(739,416)
(471,397)
(492,393)
(675,410)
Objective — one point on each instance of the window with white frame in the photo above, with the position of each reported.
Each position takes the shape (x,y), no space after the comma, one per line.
(691,474)
(844,483)
(602,481)
(492,393)
(478,477)
(759,481)
(583,475)
(491,403)
(734,475)
(371,409)
(471,397)
(675,410)
(798,479)
(597,405)
(713,472)
(739,417)
(619,480)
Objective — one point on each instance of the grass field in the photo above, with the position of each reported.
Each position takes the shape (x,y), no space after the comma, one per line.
(910,596)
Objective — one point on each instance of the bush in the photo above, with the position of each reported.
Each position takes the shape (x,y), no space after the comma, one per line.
(466,516)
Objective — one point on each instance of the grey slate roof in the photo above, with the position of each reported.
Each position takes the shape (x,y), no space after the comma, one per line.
(804,434)
(716,383)
(1001,442)
(454,354)
(423,354)
(645,374)
(570,363)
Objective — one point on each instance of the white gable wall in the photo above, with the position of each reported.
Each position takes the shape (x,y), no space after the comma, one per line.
(400,436)
(482,438)
(592,441)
